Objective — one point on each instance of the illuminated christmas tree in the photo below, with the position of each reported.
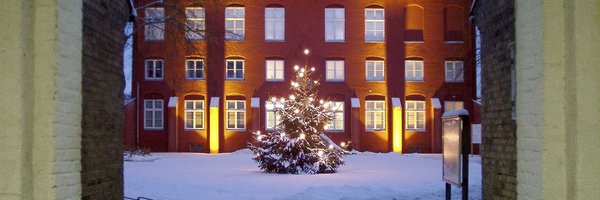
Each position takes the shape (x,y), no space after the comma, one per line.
(298,145)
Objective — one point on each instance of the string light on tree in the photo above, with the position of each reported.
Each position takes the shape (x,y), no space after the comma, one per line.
(298,146)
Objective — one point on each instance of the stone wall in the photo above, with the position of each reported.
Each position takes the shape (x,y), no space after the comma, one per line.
(103,82)
(496,21)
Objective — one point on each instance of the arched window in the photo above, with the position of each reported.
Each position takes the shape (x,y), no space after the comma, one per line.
(235,108)
(414,23)
(274,23)
(415,113)
(453,23)
(234,22)
(374,24)
(335,20)
(375,113)
(194,107)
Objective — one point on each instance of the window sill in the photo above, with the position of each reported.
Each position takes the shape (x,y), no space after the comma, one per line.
(375,81)
(154,80)
(416,130)
(415,81)
(153,129)
(236,129)
(454,82)
(233,79)
(334,131)
(275,41)
(194,79)
(414,42)
(335,81)
(374,130)
(335,41)
(375,42)
(454,42)
(161,40)
(193,129)
(275,81)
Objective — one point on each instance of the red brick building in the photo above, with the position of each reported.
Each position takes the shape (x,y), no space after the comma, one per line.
(392,67)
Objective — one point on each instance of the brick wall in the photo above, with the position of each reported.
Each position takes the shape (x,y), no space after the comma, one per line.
(496,21)
(102,122)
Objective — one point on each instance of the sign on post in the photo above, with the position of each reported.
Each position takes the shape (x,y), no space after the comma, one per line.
(456,146)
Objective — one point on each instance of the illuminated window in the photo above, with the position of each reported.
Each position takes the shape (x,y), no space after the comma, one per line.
(274,70)
(374,24)
(154,69)
(273,118)
(413,70)
(454,71)
(234,23)
(334,24)
(374,70)
(236,114)
(335,70)
(154,29)
(194,69)
(275,24)
(235,69)
(153,114)
(375,115)
(453,105)
(194,114)
(415,115)
(195,23)
(337,123)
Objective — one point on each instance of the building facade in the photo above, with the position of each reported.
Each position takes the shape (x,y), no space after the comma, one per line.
(202,71)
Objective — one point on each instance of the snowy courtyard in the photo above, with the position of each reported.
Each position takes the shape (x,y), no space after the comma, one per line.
(235,176)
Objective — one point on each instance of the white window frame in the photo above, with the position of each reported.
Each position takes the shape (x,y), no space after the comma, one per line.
(235,33)
(154,29)
(235,69)
(272,66)
(412,122)
(337,122)
(378,108)
(274,25)
(154,75)
(411,67)
(337,70)
(453,105)
(271,109)
(194,69)
(155,112)
(371,74)
(237,111)
(370,18)
(197,107)
(455,71)
(195,23)
(333,23)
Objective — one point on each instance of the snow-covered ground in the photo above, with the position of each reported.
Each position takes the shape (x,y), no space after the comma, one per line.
(235,176)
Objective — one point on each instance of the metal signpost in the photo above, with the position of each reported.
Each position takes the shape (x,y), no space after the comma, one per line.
(456,148)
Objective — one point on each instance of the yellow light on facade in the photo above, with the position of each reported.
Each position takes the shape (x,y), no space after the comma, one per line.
(214,130)
(397,130)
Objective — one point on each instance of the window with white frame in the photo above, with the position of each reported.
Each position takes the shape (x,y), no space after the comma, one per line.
(334,25)
(454,71)
(236,114)
(335,70)
(337,123)
(194,114)
(375,70)
(374,24)
(413,70)
(153,114)
(235,69)
(154,69)
(415,115)
(194,69)
(234,23)
(273,118)
(274,70)
(195,23)
(154,29)
(375,115)
(453,105)
(274,24)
